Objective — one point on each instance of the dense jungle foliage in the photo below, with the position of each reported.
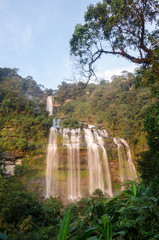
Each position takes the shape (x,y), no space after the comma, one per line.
(133,214)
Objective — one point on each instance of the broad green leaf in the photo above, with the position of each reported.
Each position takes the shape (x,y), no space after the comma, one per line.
(104,221)
(108,232)
(64,229)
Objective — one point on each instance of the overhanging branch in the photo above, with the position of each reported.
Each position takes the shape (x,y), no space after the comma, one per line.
(122,53)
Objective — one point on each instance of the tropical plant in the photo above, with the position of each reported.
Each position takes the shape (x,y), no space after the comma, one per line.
(64,229)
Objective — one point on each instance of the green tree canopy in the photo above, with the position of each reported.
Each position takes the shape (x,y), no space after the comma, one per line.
(117,27)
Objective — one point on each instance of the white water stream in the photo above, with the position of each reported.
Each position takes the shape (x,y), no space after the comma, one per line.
(49,105)
(52,164)
(73,143)
(100,141)
(131,167)
(121,160)
(126,165)
(95,169)
(98,164)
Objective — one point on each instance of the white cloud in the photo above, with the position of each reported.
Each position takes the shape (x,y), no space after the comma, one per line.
(114,71)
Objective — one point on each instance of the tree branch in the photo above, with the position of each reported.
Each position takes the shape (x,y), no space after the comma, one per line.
(121,53)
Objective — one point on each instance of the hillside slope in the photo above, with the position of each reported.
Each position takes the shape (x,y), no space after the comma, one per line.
(24,122)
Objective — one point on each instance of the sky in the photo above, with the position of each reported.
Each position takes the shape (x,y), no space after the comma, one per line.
(35,35)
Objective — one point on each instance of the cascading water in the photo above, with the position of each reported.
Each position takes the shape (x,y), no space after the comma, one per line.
(131,167)
(49,105)
(98,164)
(57,123)
(52,164)
(73,144)
(103,133)
(121,160)
(100,141)
(95,170)
(52,155)
(126,165)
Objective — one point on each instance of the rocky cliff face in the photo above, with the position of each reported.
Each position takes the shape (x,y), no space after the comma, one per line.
(8,162)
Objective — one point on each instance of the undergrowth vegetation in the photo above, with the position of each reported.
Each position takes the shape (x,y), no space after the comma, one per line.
(132,214)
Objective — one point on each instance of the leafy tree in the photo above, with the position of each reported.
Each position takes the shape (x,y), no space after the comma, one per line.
(4,72)
(16,204)
(117,27)
(52,211)
(148,75)
(148,163)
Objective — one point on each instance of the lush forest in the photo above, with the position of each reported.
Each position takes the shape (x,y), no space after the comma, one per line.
(127,107)
(24,121)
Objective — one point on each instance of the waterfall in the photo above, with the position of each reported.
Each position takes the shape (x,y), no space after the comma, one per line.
(126,165)
(131,166)
(121,160)
(100,141)
(49,105)
(95,170)
(73,143)
(103,133)
(56,123)
(52,164)
(52,156)
(84,152)
(97,174)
